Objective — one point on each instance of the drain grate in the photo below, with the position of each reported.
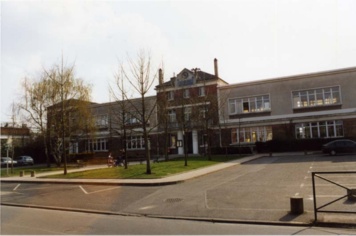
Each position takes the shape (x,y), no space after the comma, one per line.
(173,200)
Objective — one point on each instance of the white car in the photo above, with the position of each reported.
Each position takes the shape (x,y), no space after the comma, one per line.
(7,161)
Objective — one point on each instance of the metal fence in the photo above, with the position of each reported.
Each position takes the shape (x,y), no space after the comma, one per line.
(350,193)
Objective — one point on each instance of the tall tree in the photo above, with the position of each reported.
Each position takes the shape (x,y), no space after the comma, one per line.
(137,76)
(57,105)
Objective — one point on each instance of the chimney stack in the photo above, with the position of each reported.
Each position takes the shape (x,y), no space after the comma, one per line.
(216,68)
(160,77)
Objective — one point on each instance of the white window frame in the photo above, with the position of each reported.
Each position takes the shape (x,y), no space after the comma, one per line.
(332,129)
(135,142)
(316,97)
(253,104)
(186,93)
(248,135)
(170,95)
(201,91)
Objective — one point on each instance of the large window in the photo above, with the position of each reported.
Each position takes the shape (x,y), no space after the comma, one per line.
(102,120)
(249,104)
(100,144)
(251,134)
(132,118)
(135,142)
(320,129)
(316,97)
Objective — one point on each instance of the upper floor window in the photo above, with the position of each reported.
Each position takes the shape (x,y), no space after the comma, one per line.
(249,104)
(186,93)
(187,113)
(170,95)
(172,116)
(316,97)
(131,119)
(201,91)
(102,120)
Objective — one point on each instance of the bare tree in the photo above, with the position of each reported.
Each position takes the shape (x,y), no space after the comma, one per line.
(138,77)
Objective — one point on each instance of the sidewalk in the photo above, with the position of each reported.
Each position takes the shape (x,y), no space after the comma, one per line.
(173,179)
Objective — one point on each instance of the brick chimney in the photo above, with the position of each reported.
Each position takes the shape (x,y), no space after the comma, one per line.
(160,77)
(216,68)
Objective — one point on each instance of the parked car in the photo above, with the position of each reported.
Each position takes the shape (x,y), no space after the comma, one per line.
(339,146)
(7,161)
(24,160)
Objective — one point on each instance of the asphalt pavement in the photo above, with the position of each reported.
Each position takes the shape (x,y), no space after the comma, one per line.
(273,216)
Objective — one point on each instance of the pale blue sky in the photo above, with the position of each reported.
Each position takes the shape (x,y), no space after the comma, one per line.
(252,39)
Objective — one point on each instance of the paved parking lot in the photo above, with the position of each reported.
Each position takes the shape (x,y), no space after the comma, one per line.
(259,190)
(256,191)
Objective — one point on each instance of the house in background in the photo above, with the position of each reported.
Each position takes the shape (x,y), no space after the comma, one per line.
(13,136)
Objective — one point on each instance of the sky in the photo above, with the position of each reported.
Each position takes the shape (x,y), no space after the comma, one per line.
(252,39)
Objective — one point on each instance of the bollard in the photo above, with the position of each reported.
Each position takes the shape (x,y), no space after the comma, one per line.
(351,194)
(296,205)
(33,173)
(22,173)
(270,154)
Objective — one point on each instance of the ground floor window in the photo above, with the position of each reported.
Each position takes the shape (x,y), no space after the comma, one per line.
(319,129)
(251,134)
(73,147)
(100,144)
(135,142)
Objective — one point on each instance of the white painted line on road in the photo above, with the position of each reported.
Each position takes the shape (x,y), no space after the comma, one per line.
(16,187)
(101,190)
(83,189)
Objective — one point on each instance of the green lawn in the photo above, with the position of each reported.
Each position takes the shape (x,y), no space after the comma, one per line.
(158,170)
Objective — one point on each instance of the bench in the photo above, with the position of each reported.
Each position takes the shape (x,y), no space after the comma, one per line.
(81,163)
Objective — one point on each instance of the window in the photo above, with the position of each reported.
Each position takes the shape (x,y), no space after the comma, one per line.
(321,129)
(251,135)
(187,113)
(131,119)
(170,95)
(186,93)
(98,144)
(202,113)
(172,116)
(201,91)
(249,104)
(316,97)
(135,142)
(102,120)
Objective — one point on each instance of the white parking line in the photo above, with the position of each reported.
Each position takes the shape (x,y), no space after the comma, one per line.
(101,190)
(83,189)
(16,187)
